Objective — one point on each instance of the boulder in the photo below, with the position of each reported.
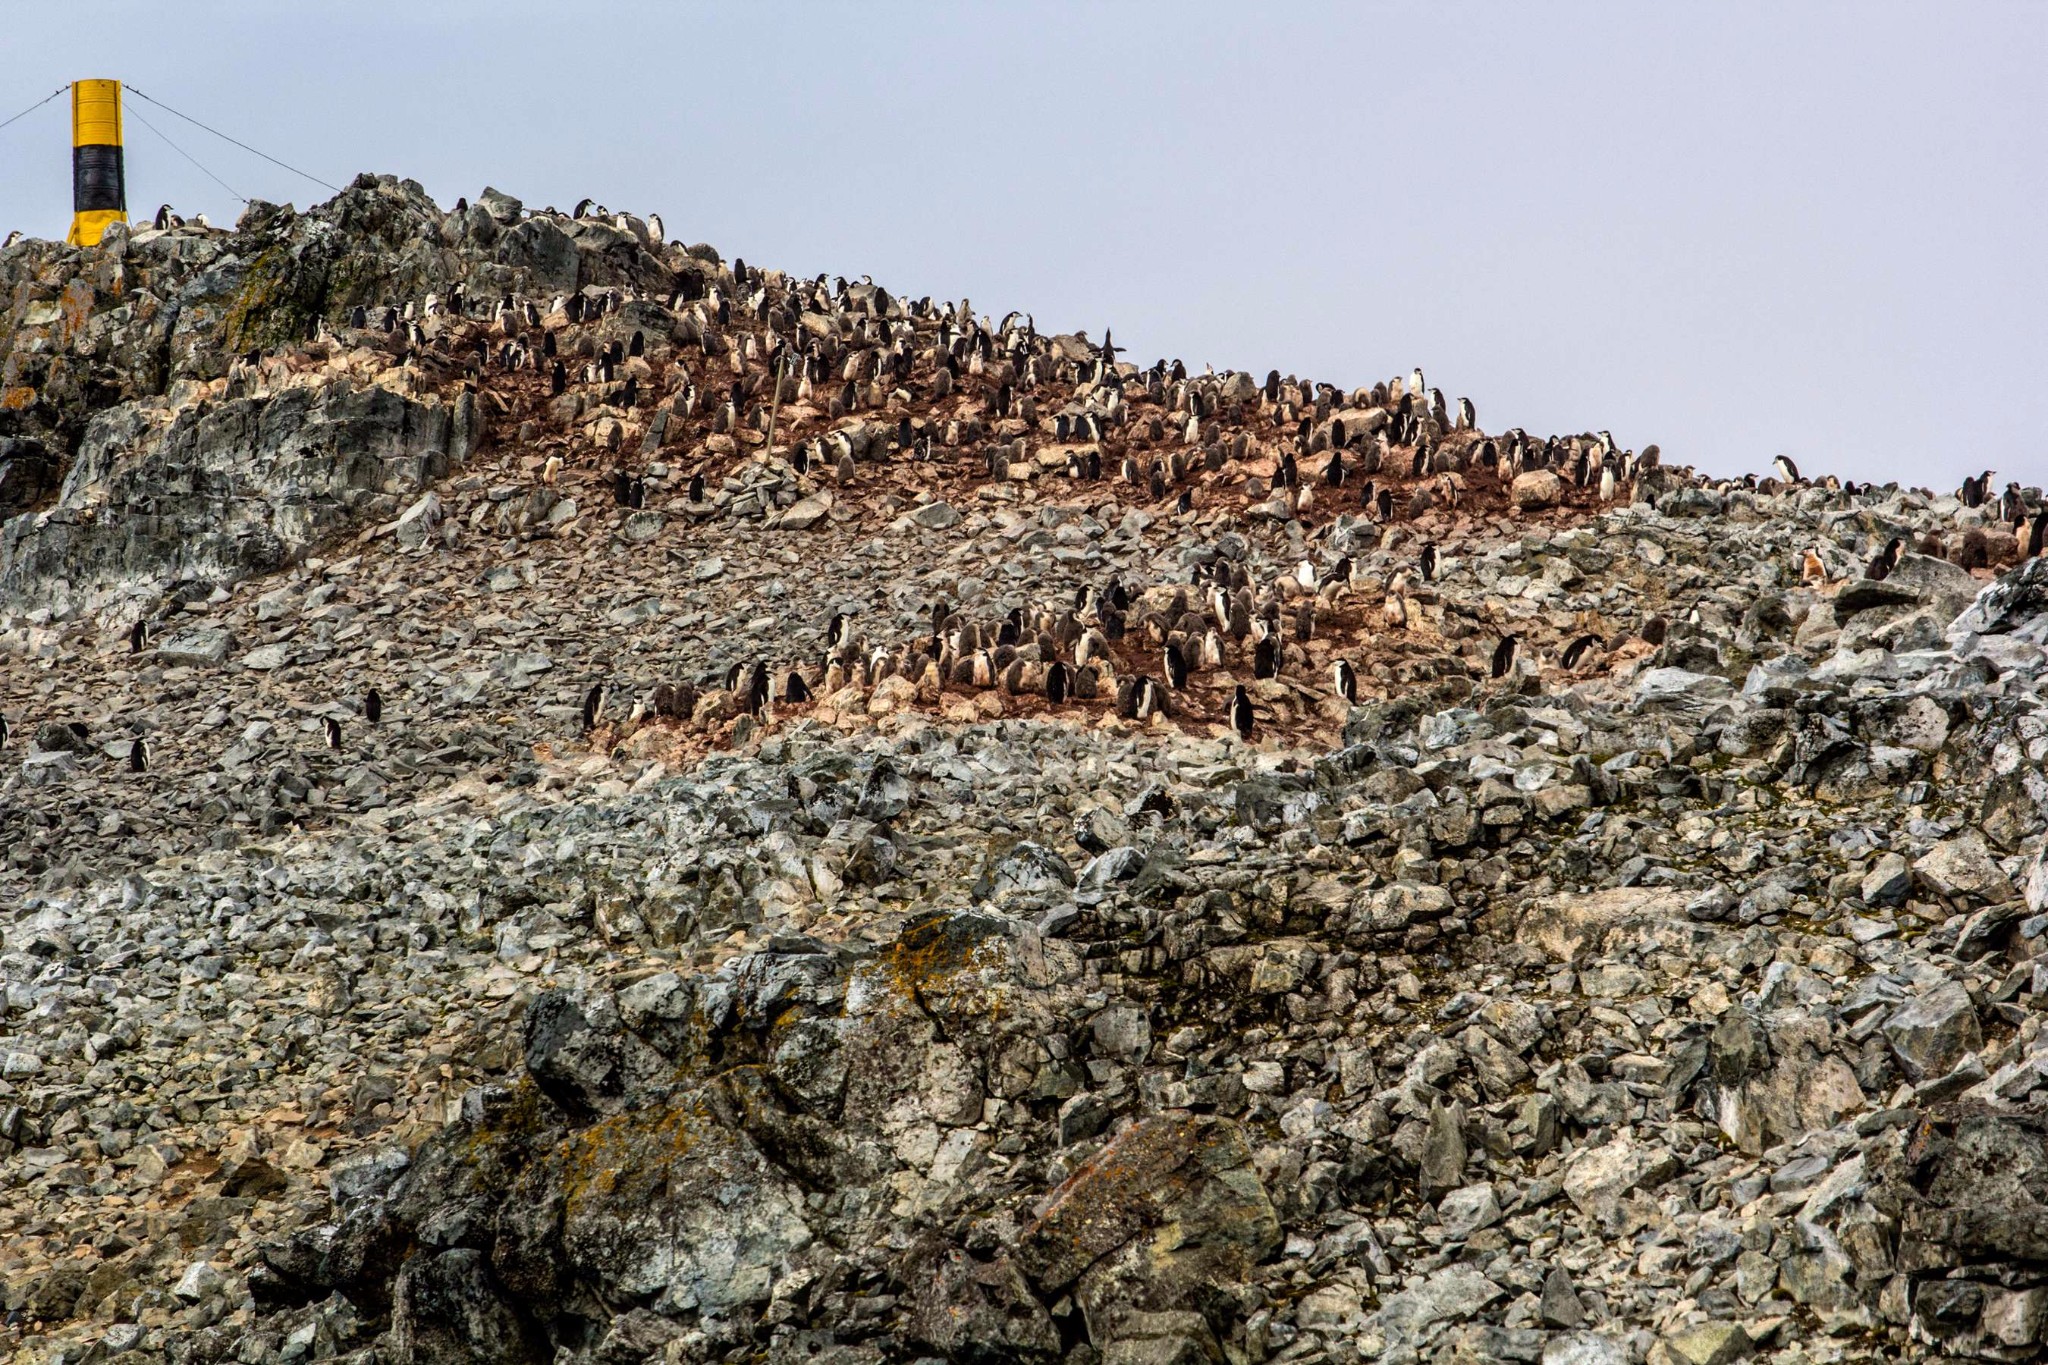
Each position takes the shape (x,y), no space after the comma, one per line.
(1934,1030)
(1536,489)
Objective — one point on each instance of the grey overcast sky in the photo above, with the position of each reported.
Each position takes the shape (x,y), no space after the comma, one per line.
(1733,229)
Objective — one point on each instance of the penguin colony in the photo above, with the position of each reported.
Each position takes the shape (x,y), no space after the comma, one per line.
(864,386)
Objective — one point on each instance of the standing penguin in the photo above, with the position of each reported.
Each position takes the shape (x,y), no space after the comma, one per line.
(138,636)
(1266,657)
(1175,666)
(138,756)
(1346,679)
(373,706)
(1059,683)
(1239,712)
(333,729)
(1504,655)
(593,706)
(1788,472)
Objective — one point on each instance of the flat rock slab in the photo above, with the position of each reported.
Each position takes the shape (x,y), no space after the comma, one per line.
(208,645)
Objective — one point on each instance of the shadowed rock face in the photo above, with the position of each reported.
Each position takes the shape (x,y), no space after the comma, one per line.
(217,493)
(705,1148)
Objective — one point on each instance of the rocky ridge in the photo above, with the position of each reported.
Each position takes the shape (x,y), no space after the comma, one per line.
(1679,1005)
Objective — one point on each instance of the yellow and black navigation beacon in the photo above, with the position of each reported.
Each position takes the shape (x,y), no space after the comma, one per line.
(99,191)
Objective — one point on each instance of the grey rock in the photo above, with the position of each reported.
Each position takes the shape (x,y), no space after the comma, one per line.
(1931,1032)
(201,645)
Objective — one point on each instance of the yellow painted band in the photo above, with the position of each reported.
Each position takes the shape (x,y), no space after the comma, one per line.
(96,113)
(88,228)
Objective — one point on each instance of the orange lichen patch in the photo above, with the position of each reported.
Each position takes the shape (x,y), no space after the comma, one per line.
(628,1156)
(75,309)
(932,953)
(16,399)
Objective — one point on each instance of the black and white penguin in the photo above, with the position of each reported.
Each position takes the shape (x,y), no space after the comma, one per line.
(558,380)
(1175,666)
(332,728)
(1887,559)
(1428,564)
(1576,651)
(138,756)
(1346,679)
(696,493)
(1333,471)
(757,689)
(837,630)
(1266,657)
(593,706)
(1788,472)
(1059,683)
(1148,700)
(373,706)
(794,689)
(138,636)
(1504,655)
(1185,503)
(1239,711)
(3,732)
(162,221)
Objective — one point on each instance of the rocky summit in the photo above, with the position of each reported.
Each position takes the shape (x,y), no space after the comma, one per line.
(569,800)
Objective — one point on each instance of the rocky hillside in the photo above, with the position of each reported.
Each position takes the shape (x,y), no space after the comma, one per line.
(567,799)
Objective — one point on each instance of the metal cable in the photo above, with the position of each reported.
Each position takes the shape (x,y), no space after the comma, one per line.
(225,138)
(39,103)
(189,157)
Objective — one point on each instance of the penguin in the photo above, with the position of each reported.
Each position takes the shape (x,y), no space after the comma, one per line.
(593,706)
(836,630)
(162,221)
(1147,700)
(1812,568)
(3,732)
(1175,666)
(696,492)
(1239,711)
(138,756)
(1346,679)
(1881,566)
(1396,610)
(1788,472)
(1576,651)
(1266,657)
(373,706)
(1333,472)
(1655,630)
(1504,655)
(1185,503)
(794,689)
(2037,534)
(558,380)
(757,689)
(333,729)
(1058,683)
(1427,564)
(138,636)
